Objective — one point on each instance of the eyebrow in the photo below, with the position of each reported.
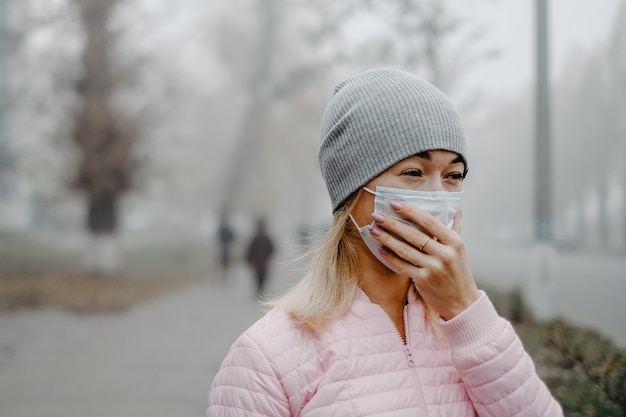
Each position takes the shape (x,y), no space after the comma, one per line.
(426,155)
(458,158)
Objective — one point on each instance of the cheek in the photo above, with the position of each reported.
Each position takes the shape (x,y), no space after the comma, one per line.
(362,211)
(454,187)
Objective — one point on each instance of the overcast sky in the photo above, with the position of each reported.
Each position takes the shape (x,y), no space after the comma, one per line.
(572,24)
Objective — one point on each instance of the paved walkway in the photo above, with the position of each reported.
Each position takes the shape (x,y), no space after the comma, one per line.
(155,360)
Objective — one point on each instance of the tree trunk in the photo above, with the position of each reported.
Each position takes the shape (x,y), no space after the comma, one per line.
(104,140)
(101,255)
(102,213)
(254,118)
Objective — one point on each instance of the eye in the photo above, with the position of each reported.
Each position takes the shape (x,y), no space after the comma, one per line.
(454,176)
(413,172)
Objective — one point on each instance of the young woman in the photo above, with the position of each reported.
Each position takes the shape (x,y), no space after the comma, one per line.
(388,321)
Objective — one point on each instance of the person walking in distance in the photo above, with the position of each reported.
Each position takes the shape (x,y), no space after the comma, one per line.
(258,254)
(225,237)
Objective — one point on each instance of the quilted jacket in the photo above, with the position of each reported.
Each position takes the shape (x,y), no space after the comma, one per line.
(472,365)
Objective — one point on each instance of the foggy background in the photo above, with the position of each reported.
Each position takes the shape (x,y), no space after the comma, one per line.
(132,124)
(216,107)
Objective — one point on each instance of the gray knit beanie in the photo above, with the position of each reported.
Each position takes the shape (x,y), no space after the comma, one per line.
(378,118)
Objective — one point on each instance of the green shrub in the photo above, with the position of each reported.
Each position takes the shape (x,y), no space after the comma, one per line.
(593,377)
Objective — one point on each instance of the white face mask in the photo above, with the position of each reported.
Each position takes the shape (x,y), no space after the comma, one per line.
(443,205)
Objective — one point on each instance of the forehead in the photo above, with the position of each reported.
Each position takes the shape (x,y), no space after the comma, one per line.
(436,156)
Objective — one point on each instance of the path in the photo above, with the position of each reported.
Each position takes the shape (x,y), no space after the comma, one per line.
(155,360)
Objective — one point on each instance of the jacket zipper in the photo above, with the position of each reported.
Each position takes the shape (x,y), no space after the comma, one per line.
(406,347)
(407,337)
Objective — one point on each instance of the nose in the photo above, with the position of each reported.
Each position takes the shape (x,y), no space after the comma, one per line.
(434,183)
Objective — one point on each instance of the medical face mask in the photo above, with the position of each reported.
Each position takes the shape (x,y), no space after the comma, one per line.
(443,205)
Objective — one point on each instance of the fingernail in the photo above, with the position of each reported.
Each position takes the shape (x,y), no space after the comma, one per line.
(395,205)
(382,250)
(375,231)
(378,218)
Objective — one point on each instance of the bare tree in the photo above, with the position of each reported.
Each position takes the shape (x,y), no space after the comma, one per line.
(105,141)
(617,46)
(280,48)
(268,75)
(6,156)
(591,127)
(420,39)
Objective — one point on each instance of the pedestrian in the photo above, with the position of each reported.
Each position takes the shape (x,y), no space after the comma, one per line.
(388,320)
(226,238)
(258,255)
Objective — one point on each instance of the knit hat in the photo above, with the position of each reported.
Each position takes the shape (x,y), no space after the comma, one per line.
(378,118)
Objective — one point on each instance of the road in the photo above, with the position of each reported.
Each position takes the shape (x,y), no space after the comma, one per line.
(585,287)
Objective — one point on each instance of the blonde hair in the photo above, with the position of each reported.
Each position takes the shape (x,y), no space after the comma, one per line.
(331,279)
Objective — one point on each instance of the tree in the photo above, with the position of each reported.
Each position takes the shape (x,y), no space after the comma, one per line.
(427,37)
(34,98)
(591,143)
(275,52)
(617,46)
(6,156)
(273,59)
(104,139)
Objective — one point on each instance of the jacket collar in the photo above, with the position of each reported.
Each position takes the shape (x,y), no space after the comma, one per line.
(361,296)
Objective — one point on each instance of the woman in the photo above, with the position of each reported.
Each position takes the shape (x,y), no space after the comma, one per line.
(388,321)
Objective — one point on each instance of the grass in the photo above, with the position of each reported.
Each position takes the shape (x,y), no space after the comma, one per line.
(37,275)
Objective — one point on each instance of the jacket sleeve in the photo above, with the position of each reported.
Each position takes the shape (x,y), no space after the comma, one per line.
(246,385)
(499,376)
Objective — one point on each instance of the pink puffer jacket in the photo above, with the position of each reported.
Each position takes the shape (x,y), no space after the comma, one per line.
(473,365)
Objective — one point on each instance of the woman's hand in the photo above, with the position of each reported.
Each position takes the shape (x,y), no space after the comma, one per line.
(434,258)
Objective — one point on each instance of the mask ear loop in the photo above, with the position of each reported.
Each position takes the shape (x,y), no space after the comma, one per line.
(370,191)
(354,221)
(352,218)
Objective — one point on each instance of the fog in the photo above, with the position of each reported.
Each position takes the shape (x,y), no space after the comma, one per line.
(219,105)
